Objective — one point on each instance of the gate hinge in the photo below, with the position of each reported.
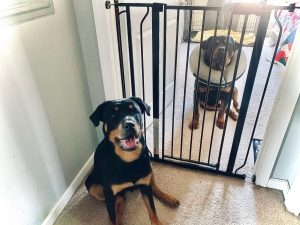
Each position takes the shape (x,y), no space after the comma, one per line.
(108,4)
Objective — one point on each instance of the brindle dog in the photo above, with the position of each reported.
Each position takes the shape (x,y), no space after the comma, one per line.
(122,160)
(214,54)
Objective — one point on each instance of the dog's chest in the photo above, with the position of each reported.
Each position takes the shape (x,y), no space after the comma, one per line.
(116,188)
(120,175)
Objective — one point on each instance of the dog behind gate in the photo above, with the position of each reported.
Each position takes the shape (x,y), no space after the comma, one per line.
(214,52)
(122,161)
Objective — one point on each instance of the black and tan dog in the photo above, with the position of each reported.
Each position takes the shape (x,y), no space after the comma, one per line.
(214,53)
(122,160)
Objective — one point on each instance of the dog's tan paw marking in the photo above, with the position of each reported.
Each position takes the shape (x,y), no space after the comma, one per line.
(233,115)
(220,124)
(157,223)
(173,202)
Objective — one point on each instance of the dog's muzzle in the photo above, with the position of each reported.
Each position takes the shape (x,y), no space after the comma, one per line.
(131,136)
(218,59)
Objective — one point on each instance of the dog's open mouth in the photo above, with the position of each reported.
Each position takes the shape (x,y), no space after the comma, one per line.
(129,143)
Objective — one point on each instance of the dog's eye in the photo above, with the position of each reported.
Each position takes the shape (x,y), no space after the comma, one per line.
(130,106)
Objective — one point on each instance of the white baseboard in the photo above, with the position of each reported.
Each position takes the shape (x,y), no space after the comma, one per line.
(279,184)
(62,202)
(292,204)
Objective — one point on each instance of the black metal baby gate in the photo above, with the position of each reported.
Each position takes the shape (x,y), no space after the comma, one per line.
(180,151)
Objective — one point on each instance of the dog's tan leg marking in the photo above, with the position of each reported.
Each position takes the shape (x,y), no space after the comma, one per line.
(232,115)
(235,99)
(162,196)
(145,180)
(152,214)
(220,120)
(119,208)
(96,190)
(195,122)
(117,188)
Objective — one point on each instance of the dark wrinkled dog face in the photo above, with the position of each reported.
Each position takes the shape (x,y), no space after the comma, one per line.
(217,51)
(122,123)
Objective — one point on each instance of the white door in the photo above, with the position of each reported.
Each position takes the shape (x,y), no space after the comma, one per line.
(137,15)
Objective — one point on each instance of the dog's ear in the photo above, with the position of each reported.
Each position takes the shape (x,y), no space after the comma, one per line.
(235,44)
(143,105)
(97,116)
(204,44)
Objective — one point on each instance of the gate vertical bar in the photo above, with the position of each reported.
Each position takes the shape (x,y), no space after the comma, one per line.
(175,77)
(129,36)
(119,39)
(164,82)
(156,9)
(255,58)
(142,66)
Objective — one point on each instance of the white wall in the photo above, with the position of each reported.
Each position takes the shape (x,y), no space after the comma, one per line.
(288,161)
(45,134)
(287,166)
(284,105)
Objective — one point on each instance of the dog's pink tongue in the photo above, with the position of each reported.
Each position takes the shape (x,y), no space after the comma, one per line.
(129,143)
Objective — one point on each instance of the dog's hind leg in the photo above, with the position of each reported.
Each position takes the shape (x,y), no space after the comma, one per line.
(147,194)
(94,188)
(162,196)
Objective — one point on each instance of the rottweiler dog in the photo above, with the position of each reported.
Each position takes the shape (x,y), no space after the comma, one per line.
(122,160)
(214,53)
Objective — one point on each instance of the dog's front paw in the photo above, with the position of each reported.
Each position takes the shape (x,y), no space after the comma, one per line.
(117,223)
(174,203)
(220,123)
(157,223)
(233,115)
(169,200)
(236,106)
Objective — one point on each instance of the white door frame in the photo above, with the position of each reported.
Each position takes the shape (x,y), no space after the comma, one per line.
(283,108)
(108,49)
(292,198)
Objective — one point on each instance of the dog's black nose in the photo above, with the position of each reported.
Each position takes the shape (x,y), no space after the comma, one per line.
(222,49)
(128,125)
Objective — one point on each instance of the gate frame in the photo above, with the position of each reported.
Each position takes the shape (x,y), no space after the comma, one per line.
(156,9)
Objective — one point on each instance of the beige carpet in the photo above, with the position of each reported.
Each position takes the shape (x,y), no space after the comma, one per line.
(205,199)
